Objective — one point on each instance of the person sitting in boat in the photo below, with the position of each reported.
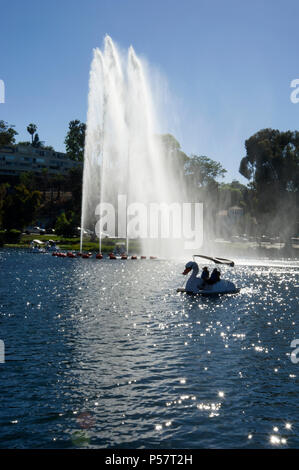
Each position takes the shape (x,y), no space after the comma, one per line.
(215,277)
(205,274)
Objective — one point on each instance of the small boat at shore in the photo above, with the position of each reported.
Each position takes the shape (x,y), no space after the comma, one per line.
(36,246)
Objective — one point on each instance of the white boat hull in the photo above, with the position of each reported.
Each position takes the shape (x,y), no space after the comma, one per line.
(219,288)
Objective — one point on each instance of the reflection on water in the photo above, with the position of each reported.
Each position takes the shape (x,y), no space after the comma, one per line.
(107,354)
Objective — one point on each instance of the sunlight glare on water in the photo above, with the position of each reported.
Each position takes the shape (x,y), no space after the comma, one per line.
(106,354)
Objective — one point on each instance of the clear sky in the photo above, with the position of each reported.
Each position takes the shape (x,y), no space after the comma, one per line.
(228,65)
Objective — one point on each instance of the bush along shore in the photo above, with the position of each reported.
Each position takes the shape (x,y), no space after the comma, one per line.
(16,239)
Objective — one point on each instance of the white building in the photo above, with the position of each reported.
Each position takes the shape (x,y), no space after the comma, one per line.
(22,158)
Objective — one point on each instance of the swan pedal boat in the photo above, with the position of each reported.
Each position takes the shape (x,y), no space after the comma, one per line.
(196,286)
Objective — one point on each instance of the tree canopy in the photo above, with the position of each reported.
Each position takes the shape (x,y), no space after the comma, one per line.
(31,129)
(75,140)
(271,165)
(203,170)
(173,148)
(19,206)
(272,160)
(7,134)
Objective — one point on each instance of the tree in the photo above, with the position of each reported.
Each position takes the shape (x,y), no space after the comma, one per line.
(32,128)
(64,226)
(36,142)
(203,171)
(272,158)
(20,206)
(24,143)
(271,165)
(201,176)
(47,147)
(232,194)
(175,158)
(29,179)
(173,149)
(45,181)
(74,183)
(75,140)
(58,181)
(3,192)
(7,134)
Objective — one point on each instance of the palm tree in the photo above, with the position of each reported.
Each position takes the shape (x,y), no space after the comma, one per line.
(36,142)
(31,128)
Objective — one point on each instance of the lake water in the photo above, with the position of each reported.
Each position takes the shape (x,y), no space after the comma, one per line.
(104,353)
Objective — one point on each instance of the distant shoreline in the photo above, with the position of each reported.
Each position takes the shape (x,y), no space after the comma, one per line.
(239,249)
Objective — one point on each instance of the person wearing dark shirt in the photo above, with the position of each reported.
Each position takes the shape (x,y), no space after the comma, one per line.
(205,274)
(215,277)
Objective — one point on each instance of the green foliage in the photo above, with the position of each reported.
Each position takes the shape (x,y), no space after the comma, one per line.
(64,226)
(7,134)
(3,192)
(203,171)
(36,142)
(24,143)
(75,140)
(175,157)
(271,165)
(232,194)
(31,129)
(29,179)
(12,236)
(272,158)
(173,147)
(47,147)
(19,208)
(74,181)
(2,237)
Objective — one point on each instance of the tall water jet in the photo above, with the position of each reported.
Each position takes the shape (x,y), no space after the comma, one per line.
(123,154)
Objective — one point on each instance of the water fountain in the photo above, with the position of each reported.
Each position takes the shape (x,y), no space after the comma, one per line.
(123,153)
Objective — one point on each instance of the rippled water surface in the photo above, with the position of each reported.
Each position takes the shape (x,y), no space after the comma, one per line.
(107,354)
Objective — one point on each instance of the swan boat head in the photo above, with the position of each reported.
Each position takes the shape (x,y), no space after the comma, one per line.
(191,266)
